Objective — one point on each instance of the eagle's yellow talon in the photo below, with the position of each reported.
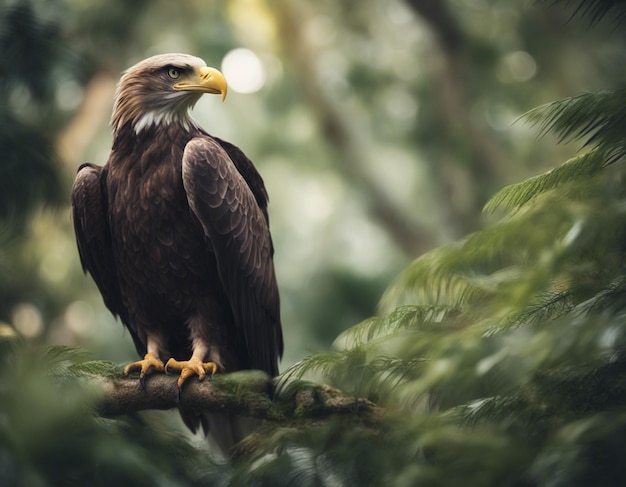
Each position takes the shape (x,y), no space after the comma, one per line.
(150,363)
(191,367)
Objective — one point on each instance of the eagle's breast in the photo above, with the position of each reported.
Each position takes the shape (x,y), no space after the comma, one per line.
(160,250)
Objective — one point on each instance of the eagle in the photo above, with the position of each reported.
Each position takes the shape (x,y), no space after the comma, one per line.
(174,230)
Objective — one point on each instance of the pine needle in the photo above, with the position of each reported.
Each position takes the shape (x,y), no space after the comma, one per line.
(594,10)
(389,324)
(576,170)
(595,118)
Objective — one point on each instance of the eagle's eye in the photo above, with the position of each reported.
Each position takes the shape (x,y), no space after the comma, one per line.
(173,73)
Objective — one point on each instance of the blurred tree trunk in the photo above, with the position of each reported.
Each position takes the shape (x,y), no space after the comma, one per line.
(80,131)
(467,171)
(340,134)
(482,171)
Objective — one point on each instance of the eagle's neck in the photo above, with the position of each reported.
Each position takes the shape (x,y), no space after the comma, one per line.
(146,110)
(164,118)
(155,138)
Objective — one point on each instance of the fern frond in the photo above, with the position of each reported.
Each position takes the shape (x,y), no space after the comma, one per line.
(67,364)
(478,266)
(432,279)
(497,409)
(594,10)
(385,376)
(612,298)
(597,118)
(548,305)
(103,368)
(578,169)
(396,368)
(59,361)
(391,323)
(355,372)
(325,363)
(62,354)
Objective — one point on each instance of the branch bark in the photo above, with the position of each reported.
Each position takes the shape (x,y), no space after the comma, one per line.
(247,394)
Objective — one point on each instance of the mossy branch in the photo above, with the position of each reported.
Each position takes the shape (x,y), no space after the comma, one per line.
(248,394)
(253,394)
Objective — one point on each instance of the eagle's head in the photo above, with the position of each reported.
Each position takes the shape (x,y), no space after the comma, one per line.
(162,89)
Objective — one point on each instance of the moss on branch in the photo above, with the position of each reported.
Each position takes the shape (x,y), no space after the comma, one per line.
(249,394)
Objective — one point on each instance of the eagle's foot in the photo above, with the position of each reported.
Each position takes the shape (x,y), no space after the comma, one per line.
(150,363)
(191,367)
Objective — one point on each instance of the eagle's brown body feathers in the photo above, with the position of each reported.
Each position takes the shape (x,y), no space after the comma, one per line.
(174,230)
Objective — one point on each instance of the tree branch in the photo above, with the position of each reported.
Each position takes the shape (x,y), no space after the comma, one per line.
(245,393)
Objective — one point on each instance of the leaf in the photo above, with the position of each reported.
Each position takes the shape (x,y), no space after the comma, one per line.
(596,118)
(402,318)
(594,10)
(102,368)
(576,170)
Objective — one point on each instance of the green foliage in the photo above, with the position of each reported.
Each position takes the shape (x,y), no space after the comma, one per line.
(49,434)
(29,47)
(595,10)
(595,118)
(503,355)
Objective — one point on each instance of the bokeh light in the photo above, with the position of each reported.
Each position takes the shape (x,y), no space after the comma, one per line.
(243,70)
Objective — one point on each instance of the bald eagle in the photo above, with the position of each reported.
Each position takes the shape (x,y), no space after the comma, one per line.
(174,231)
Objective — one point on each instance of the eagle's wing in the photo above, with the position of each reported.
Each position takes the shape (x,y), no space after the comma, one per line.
(238,232)
(249,173)
(90,218)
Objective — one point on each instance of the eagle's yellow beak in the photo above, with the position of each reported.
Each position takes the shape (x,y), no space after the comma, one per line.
(204,80)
